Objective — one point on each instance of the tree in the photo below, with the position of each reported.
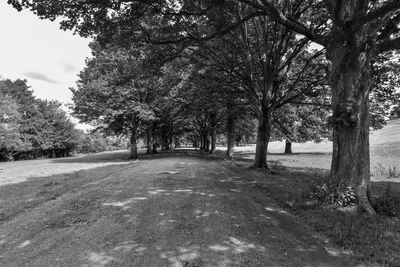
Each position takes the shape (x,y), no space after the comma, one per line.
(384,83)
(114,92)
(358,31)
(353,32)
(258,56)
(32,127)
(59,136)
(11,142)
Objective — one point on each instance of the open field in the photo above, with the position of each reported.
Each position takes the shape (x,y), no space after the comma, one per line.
(384,150)
(20,171)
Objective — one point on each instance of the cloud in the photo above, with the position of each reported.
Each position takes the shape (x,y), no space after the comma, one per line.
(68,68)
(41,77)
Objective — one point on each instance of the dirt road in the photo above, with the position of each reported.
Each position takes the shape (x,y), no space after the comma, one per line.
(175,209)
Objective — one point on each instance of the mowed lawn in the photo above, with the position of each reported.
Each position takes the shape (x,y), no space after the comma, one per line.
(385,152)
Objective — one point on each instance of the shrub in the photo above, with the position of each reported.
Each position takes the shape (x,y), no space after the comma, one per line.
(329,194)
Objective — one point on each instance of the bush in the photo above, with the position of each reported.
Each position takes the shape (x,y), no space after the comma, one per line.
(329,194)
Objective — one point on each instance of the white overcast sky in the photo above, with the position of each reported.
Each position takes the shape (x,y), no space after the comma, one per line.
(37,50)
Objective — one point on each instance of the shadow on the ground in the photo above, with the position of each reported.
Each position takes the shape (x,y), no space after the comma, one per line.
(379,188)
(123,156)
(115,156)
(246,153)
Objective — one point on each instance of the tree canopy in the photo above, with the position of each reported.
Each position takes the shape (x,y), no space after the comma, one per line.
(259,48)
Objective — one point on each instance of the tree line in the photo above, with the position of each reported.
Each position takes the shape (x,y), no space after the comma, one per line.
(34,128)
(302,69)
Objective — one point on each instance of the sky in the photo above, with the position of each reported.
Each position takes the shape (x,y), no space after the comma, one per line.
(38,51)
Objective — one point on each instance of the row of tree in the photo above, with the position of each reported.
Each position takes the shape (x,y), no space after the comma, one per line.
(157,63)
(32,128)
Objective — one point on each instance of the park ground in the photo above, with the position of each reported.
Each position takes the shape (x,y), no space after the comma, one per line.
(172,209)
(182,208)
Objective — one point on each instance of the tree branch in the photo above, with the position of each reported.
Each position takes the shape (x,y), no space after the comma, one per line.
(206,38)
(388,45)
(379,12)
(275,14)
(390,28)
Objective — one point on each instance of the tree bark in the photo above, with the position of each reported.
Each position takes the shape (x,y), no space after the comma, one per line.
(206,143)
(213,140)
(263,135)
(288,147)
(230,125)
(201,141)
(350,105)
(134,153)
(213,134)
(154,146)
(149,140)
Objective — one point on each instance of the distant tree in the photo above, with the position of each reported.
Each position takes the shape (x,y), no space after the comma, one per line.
(11,142)
(384,83)
(32,127)
(59,135)
(395,113)
(27,122)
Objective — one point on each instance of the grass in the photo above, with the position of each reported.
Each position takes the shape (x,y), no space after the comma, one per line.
(384,152)
(373,241)
(379,170)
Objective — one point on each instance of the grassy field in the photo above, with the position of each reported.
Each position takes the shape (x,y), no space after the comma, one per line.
(19,171)
(384,150)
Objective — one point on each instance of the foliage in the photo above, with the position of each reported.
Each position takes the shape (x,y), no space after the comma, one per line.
(385,82)
(328,194)
(112,93)
(96,142)
(31,127)
(258,47)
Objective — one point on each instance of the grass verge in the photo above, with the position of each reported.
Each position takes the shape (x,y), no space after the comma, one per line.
(373,241)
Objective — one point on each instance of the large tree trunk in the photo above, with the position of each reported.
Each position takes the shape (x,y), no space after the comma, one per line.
(154,140)
(201,141)
(263,135)
(288,147)
(213,134)
(154,146)
(134,153)
(350,105)
(149,140)
(206,142)
(213,140)
(230,125)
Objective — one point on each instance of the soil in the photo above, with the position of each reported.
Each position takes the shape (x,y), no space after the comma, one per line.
(170,209)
